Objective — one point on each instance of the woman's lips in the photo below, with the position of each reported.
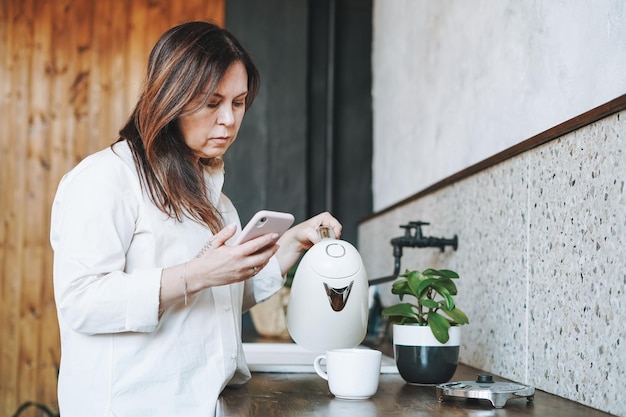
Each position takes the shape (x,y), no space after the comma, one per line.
(220,139)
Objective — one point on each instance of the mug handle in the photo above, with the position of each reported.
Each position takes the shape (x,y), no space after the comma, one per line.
(318,367)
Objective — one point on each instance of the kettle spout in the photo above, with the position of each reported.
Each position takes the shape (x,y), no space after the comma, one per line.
(338,297)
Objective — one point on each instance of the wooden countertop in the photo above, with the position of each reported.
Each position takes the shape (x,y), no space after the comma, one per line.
(302,395)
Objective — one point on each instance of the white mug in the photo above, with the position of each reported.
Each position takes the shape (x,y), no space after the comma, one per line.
(351,373)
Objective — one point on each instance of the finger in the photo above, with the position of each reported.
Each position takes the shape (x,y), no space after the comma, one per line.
(261,259)
(337,229)
(312,237)
(223,235)
(326,219)
(260,243)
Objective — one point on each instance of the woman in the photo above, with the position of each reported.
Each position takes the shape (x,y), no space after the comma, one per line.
(148,293)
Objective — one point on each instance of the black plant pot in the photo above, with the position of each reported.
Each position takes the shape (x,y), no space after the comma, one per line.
(422,359)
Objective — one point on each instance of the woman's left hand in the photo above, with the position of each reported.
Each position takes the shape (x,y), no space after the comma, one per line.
(301,237)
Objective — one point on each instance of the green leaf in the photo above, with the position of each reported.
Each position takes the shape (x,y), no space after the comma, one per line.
(430,272)
(423,285)
(428,303)
(401,288)
(439,325)
(449,302)
(448,273)
(401,310)
(448,284)
(457,315)
(440,273)
(414,281)
(411,274)
(398,286)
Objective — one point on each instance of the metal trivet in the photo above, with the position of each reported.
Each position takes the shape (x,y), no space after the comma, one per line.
(485,388)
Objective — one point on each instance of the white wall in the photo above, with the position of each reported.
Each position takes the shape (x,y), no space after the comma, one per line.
(456,81)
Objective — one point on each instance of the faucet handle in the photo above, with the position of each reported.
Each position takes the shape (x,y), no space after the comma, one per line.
(407,229)
(418,228)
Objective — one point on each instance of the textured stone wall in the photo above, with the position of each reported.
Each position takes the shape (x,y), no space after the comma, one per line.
(542,258)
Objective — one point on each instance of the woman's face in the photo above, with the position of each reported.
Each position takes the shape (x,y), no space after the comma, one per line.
(210,130)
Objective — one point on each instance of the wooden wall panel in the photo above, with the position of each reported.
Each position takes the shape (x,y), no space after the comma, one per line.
(70,71)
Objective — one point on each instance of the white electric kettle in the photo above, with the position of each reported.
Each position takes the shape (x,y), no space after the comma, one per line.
(328,304)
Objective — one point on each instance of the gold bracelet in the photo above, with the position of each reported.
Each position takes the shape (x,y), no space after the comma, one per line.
(185,283)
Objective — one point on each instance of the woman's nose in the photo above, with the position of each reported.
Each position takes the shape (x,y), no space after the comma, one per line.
(225,116)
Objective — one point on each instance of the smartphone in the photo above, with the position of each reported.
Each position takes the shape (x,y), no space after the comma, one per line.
(263,222)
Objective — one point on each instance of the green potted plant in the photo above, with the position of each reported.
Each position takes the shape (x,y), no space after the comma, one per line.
(426,331)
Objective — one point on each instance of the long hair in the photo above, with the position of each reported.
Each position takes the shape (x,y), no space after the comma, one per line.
(187,62)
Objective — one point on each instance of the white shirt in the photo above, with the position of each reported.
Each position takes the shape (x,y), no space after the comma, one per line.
(118,357)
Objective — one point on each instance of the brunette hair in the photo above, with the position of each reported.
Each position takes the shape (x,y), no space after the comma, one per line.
(187,62)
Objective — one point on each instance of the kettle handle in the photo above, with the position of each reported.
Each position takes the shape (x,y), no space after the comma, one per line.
(325,232)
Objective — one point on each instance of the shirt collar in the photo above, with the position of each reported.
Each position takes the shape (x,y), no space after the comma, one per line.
(214,179)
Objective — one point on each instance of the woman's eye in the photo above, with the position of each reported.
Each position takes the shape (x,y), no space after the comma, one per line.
(239,103)
(213,105)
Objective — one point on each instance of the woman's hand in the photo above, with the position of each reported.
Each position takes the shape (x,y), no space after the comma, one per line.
(222,265)
(217,264)
(301,237)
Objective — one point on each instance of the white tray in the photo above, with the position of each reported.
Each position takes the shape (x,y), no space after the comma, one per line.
(292,358)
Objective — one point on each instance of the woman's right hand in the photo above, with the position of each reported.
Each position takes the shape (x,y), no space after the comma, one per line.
(216,265)
(220,264)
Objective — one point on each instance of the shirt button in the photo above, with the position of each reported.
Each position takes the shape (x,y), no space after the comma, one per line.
(227,308)
(233,355)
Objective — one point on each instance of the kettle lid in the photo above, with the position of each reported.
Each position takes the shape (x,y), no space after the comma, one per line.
(332,258)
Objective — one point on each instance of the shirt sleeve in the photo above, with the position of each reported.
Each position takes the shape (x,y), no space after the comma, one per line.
(263,285)
(92,226)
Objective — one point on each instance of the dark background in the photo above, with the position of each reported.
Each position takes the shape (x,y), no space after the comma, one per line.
(305,145)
